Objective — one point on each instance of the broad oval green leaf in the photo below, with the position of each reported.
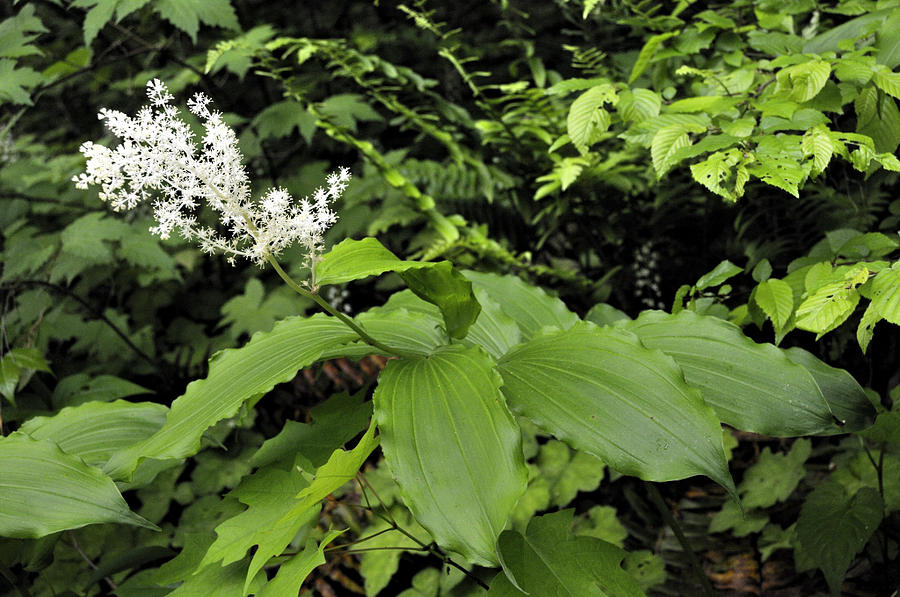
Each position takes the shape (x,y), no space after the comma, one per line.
(493,330)
(646,54)
(752,387)
(594,387)
(529,306)
(776,298)
(43,490)
(452,446)
(549,560)
(412,332)
(851,408)
(827,308)
(235,376)
(438,283)
(96,430)
(587,118)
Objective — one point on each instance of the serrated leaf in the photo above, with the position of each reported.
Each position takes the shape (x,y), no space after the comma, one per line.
(346,109)
(452,446)
(714,172)
(15,82)
(709,104)
(834,526)
(17,33)
(646,54)
(567,86)
(590,387)
(280,119)
(818,144)
(334,422)
(188,14)
(887,81)
(719,274)
(235,376)
(885,295)
(269,495)
(827,308)
(587,119)
(725,365)
(774,476)
(86,237)
(642,133)
(666,143)
(291,574)
(549,560)
(807,79)
(782,173)
(638,105)
(341,467)
(776,298)
(739,522)
(97,17)
(43,490)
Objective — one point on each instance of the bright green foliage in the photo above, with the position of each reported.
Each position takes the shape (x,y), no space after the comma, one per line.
(834,526)
(602,524)
(94,431)
(247,373)
(16,366)
(378,566)
(555,478)
(437,283)
(452,446)
(184,14)
(736,95)
(44,491)
(740,522)
(548,560)
(590,387)
(288,516)
(268,495)
(647,568)
(857,473)
(309,445)
(726,365)
(530,307)
(256,310)
(774,476)
(579,151)
(292,573)
(776,298)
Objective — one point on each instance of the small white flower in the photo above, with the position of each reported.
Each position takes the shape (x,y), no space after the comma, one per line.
(160,162)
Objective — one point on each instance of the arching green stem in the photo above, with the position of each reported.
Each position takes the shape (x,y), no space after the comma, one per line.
(364,336)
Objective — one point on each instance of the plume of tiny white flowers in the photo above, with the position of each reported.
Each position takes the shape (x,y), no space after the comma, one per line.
(159,162)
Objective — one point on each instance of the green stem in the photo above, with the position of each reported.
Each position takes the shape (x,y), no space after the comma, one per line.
(657,500)
(364,336)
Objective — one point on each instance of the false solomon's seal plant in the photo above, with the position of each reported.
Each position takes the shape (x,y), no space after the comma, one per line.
(470,354)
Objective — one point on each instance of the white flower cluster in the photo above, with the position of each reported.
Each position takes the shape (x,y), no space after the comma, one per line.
(159,161)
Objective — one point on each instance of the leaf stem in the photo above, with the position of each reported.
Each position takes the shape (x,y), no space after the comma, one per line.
(432,549)
(363,335)
(657,500)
